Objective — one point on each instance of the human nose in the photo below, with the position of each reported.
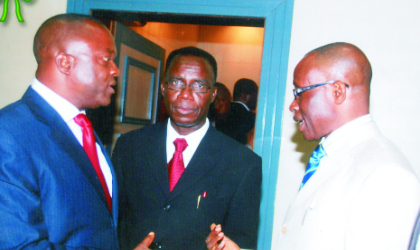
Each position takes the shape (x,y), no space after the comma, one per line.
(294,106)
(186,93)
(114,69)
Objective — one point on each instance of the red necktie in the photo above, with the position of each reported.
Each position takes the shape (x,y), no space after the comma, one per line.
(89,145)
(176,165)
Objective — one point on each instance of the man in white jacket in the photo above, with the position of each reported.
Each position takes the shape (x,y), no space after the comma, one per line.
(361,193)
(364,194)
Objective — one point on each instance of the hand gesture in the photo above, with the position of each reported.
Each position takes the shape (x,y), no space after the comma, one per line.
(144,245)
(217,240)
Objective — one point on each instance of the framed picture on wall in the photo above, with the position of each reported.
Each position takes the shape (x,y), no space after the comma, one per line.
(138,88)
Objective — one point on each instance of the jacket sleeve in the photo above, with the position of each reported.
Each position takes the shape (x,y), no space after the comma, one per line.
(241,224)
(22,223)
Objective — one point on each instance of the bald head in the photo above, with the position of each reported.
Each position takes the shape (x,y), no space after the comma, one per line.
(346,61)
(75,59)
(334,85)
(57,31)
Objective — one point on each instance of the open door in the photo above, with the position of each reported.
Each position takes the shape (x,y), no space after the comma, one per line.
(277,15)
(136,101)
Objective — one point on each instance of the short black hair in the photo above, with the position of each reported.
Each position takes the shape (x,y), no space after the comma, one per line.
(192,51)
(246,86)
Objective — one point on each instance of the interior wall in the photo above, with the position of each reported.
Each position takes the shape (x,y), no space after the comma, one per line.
(387,32)
(17,62)
(169,36)
(237,50)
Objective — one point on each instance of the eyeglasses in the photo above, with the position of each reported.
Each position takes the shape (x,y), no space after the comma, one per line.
(196,87)
(298,91)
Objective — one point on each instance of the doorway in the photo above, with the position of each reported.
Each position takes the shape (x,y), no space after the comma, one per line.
(236,44)
(277,15)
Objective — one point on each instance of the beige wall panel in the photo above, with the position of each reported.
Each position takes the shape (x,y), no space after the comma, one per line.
(169,36)
(17,62)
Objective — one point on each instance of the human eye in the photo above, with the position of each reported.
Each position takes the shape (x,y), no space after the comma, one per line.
(200,87)
(176,84)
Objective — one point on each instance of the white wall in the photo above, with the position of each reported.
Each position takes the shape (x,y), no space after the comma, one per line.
(389,34)
(17,63)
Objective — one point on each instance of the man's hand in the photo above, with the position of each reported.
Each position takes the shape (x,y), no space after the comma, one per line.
(217,240)
(144,245)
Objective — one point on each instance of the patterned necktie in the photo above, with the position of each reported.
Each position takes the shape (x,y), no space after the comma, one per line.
(313,164)
(89,145)
(176,165)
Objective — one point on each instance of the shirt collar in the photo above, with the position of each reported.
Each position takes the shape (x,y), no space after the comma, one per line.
(243,104)
(193,138)
(64,108)
(331,143)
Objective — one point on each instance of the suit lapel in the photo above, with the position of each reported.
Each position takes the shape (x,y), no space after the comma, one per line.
(318,179)
(157,157)
(341,160)
(63,136)
(203,160)
(114,181)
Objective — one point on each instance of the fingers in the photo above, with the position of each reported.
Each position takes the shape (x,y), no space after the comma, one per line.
(146,242)
(221,245)
(215,230)
(215,239)
(229,244)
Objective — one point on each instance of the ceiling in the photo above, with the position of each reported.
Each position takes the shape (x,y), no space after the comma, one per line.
(141,18)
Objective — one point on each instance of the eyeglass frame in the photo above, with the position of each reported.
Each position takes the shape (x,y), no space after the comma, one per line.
(191,86)
(298,91)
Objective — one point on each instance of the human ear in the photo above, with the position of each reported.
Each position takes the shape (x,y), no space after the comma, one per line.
(64,63)
(339,92)
(162,88)
(214,94)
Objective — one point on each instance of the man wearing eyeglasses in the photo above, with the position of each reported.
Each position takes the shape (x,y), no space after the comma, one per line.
(358,192)
(179,177)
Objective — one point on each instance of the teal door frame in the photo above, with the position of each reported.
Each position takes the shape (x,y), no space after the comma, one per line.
(277,31)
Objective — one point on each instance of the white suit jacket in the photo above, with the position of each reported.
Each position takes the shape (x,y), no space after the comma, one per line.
(364,195)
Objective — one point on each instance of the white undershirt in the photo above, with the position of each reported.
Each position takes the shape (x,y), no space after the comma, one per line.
(193,139)
(68,111)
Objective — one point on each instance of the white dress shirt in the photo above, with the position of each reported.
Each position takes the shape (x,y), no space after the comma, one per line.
(68,111)
(193,139)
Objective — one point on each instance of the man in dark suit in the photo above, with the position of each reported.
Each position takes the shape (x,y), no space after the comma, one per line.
(214,180)
(241,120)
(57,185)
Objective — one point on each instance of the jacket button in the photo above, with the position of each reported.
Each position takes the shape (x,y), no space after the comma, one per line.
(167,207)
(284,230)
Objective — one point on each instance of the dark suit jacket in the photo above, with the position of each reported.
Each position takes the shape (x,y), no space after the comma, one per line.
(228,172)
(50,195)
(238,123)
